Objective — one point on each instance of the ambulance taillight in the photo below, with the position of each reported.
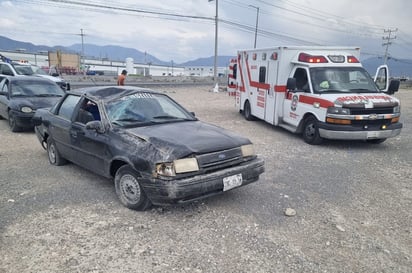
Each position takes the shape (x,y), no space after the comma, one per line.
(306,58)
(352,59)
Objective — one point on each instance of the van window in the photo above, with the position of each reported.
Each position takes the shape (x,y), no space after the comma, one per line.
(301,77)
(262,74)
(234,71)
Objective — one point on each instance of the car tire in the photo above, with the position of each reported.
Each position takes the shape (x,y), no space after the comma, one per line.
(311,131)
(129,190)
(376,141)
(54,156)
(12,123)
(247,111)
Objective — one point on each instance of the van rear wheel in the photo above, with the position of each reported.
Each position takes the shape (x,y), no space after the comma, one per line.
(247,111)
(311,131)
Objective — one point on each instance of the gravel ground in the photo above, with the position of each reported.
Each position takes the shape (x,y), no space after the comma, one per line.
(352,202)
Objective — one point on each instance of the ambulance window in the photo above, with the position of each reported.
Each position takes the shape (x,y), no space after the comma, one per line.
(262,74)
(234,71)
(301,79)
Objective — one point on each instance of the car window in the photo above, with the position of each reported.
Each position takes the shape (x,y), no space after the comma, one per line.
(3,86)
(88,111)
(67,106)
(6,70)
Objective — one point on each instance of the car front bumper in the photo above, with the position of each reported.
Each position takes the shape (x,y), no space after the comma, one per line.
(23,120)
(348,132)
(162,192)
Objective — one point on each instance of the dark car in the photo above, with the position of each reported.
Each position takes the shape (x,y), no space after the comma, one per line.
(21,96)
(157,152)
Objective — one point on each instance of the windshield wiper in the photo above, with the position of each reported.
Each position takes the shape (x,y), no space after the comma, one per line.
(48,95)
(362,90)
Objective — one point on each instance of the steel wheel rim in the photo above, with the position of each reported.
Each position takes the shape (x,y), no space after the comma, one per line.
(310,130)
(130,188)
(52,153)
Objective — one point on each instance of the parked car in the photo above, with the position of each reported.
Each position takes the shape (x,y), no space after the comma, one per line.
(15,68)
(156,151)
(21,96)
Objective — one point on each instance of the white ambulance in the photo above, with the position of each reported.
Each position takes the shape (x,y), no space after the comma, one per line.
(319,92)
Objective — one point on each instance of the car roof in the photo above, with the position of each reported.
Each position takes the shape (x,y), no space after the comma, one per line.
(107,93)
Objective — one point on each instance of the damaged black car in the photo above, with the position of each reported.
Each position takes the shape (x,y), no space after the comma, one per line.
(156,151)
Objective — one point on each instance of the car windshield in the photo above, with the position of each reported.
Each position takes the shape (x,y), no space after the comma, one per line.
(142,109)
(35,89)
(23,69)
(342,80)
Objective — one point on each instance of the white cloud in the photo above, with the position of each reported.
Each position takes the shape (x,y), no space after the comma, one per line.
(181,39)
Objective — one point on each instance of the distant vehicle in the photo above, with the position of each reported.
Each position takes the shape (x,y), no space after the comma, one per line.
(16,68)
(157,152)
(22,96)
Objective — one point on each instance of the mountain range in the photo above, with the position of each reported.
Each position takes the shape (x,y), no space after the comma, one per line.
(398,67)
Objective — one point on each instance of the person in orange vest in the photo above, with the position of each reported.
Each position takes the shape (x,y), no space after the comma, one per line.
(122,77)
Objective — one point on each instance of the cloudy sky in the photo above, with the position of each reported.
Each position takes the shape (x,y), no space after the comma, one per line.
(183,30)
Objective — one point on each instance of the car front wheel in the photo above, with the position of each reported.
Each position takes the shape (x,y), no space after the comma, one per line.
(54,156)
(129,190)
(12,123)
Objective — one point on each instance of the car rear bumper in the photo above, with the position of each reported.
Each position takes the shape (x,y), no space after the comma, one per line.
(162,192)
(348,132)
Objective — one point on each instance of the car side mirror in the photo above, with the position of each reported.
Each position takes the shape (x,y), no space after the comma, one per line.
(393,86)
(95,125)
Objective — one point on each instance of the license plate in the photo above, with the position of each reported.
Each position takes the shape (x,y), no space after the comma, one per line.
(232,181)
(372,134)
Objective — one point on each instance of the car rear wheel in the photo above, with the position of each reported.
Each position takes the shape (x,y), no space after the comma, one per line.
(129,190)
(54,156)
(13,124)
(311,131)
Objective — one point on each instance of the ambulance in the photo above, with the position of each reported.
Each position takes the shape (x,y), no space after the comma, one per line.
(320,92)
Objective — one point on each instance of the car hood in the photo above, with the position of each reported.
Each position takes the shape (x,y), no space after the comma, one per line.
(367,100)
(34,102)
(189,137)
(52,78)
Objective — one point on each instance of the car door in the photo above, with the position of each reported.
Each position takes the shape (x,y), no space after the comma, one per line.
(90,146)
(4,97)
(60,125)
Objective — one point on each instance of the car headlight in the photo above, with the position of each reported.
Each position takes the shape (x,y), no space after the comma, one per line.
(338,111)
(184,165)
(397,109)
(26,109)
(247,150)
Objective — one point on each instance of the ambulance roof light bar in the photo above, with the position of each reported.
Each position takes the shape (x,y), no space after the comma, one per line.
(306,58)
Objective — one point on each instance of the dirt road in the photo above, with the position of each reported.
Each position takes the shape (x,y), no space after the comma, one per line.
(353,205)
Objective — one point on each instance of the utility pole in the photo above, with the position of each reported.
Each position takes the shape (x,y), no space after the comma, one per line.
(387,41)
(82,56)
(257,22)
(216,36)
